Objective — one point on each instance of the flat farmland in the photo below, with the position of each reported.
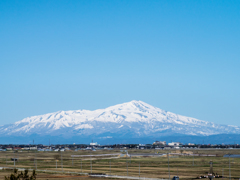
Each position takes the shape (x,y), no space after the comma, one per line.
(179,162)
(55,176)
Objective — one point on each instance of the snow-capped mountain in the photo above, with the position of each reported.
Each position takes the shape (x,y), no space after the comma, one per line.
(131,119)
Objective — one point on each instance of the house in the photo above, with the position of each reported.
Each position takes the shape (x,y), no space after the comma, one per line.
(175,144)
(141,146)
(94,144)
(48,149)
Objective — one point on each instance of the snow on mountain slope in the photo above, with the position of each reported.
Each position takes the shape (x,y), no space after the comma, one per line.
(136,118)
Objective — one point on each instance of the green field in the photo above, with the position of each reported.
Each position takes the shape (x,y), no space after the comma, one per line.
(185,166)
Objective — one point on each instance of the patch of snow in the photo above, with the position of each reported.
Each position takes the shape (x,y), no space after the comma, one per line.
(84,126)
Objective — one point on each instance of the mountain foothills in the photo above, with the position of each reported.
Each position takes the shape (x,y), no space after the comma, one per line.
(131,122)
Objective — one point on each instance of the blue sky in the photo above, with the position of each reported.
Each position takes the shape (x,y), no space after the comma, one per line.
(180,56)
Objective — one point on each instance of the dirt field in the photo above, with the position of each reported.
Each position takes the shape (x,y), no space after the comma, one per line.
(184,165)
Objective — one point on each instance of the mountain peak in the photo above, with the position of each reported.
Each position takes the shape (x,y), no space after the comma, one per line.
(135,118)
(135,101)
(138,104)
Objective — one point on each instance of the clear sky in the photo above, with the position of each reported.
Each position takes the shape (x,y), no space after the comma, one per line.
(180,56)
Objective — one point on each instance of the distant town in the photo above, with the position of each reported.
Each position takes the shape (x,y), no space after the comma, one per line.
(158,145)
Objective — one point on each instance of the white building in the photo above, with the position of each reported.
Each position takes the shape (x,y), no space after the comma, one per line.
(94,144)
(175,144)
(33,148)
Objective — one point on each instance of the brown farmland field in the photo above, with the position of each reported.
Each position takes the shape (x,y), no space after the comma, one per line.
(185,165)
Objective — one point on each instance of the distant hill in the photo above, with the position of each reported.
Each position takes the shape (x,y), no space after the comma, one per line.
(129,122)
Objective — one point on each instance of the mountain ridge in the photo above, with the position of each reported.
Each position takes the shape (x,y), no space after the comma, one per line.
(134,119)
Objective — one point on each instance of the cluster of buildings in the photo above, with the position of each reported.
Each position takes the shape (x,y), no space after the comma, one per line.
(95,146)
(163,144)
(40,147)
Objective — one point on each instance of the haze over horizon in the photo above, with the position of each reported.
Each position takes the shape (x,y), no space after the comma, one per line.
(179,56)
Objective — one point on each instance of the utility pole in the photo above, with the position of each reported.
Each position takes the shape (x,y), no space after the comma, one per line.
(81,165)
(229,167)
(139,170)
(91,161)
(34,158)
(222,172)
(14,159)
(168,167)
(193,160)
(110,166)
(6,160)
(211,168)
(127,164)
(56,164)
(61,161)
